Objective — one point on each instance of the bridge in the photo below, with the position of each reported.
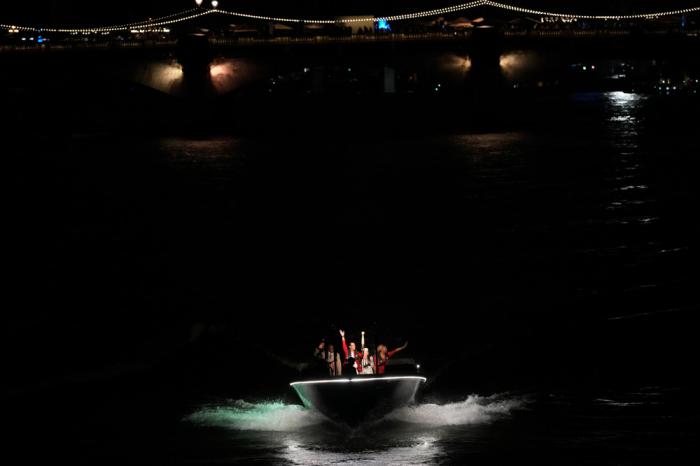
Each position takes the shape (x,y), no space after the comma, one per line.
(201,11)
(186,62)
(165,32)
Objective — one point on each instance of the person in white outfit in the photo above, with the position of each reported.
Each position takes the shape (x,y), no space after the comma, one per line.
(366,364)
(330,358)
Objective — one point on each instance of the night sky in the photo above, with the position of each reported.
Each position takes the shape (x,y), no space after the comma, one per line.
(75,11)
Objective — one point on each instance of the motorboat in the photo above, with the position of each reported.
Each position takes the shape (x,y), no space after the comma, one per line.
(360,398)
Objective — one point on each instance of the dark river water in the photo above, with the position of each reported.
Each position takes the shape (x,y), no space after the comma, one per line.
(544,274)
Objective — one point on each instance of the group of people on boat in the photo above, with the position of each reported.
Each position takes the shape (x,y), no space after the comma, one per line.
(354,361)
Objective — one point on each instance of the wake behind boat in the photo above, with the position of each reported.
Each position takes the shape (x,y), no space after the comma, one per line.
(357,399)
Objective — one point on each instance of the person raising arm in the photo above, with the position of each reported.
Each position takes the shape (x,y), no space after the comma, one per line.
(350,353)
(383,356)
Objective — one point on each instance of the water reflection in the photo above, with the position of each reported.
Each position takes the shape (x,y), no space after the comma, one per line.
(212,162)
(414,451)
(479,146)
(623,105)
(196,151)
(626,179)
(624,100)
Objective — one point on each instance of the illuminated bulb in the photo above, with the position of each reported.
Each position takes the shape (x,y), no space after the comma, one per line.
(215,3)
(199,2)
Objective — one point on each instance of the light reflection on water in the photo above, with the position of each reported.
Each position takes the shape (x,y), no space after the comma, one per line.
(411,435)
(489,143)
(624,126)
(624,99)
(418,450)
(193,151)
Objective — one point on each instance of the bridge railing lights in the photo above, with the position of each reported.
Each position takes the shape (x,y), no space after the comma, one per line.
(195,13)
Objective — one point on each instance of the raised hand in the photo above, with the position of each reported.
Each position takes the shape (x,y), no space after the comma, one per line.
(342,333)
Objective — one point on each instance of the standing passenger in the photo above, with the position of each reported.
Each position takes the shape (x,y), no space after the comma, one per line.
(383,356)
(333,362)
(330,359)
(351,355)
(366,366)
(318,352)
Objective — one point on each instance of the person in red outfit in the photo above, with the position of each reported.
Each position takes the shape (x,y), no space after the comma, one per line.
(383,356)
(351,355)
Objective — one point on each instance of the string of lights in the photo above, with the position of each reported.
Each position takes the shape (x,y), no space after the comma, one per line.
(505,6)
(200,11)
(178,17)
(358,19)
(436,12)
(161,18)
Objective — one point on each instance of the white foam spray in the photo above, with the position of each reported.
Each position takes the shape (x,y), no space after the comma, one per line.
(475,409)
(276,416)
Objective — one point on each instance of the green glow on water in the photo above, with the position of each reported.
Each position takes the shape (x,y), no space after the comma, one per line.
(276,416)
(268,416)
